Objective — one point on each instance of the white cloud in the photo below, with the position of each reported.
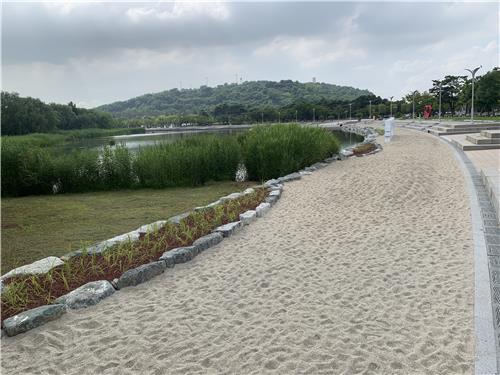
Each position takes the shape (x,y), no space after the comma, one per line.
(310,52)
(180,11)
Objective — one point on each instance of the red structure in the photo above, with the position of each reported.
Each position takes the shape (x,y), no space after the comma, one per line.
(427,111)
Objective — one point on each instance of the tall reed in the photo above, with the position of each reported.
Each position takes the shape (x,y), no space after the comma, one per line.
(273,151)
(266,151)
(188,162)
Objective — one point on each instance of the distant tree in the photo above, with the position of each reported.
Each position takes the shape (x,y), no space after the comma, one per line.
(488,91)
(28,115)
(451,87)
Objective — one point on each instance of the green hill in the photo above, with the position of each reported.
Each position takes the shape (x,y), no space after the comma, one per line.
(250,95)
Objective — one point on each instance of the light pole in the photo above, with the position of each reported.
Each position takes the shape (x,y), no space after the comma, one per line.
(370,109)
(440,84)
(391,104)
(350,106)
(314,114)
(473,72)
(279,117)
(296,116)
(413,112)
(262,116)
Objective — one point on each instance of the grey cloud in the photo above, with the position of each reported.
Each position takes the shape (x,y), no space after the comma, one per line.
(34,32)
(96,53)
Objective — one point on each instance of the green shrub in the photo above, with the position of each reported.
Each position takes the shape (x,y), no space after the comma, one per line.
(273,151)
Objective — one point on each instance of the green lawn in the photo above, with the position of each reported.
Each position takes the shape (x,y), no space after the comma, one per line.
(38,226)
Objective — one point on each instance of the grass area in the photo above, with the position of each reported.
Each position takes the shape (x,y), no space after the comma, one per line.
(38,226)
(24,292)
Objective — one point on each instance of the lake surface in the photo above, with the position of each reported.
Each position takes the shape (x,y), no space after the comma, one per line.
(135,141)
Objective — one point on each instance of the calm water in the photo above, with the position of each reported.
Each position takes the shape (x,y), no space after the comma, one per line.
(135,141)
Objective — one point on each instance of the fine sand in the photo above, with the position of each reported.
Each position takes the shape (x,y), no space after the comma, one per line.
(366,266)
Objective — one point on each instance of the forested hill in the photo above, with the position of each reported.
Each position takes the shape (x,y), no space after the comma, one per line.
(250,95)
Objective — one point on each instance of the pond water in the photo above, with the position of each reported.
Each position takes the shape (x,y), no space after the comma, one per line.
(135,141)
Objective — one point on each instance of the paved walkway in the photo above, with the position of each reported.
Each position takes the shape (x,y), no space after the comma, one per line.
(365,267)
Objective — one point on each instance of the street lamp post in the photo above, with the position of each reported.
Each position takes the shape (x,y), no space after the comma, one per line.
(370,109)
(279,117)
(262,116)
(314,114)
(391,104)
(440,84)
(296,116)
(413,112)
(473,72)
(350,107)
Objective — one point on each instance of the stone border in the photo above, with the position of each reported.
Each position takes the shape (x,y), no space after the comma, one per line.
(369,135)
(93,292)
(485,235)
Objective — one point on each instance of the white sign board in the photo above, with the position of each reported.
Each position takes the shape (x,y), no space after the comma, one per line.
(389,129)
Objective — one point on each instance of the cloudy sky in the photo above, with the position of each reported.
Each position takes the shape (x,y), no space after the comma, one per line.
(96,53)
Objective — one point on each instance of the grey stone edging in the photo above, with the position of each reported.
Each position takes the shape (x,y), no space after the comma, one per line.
(93,292)
(87,295)
(140,274)
(33,318)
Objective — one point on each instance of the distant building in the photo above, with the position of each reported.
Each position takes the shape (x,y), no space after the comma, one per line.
(314,79)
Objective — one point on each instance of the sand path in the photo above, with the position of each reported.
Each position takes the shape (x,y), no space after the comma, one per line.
(363,267)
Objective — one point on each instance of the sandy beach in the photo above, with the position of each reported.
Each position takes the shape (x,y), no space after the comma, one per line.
(364,267)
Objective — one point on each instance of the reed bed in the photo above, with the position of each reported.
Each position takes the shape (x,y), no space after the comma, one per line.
(273,151)
(266,151)
(33,170)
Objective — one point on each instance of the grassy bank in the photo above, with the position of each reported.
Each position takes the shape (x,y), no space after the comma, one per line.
(39,226)
(25,292)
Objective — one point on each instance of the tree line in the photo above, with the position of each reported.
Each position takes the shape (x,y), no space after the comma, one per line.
(29,115)
(229,99)
(312,101)
(250,102)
